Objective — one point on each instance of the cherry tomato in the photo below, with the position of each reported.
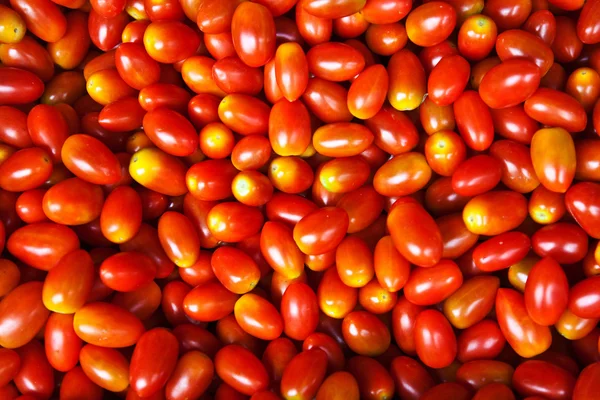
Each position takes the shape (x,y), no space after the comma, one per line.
(430,23)
(253,33)
(107,325)
(105,367)
(61,343)
(435,341)
(35,377)
(241,369)
(535,377)
(493,213)
(170,41)
(565,242)
(407,81)
(191,377)
(580,201)
(22,311)
(209,302)
(474,121)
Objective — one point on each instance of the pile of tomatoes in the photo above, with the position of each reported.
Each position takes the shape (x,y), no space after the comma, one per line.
(300,199)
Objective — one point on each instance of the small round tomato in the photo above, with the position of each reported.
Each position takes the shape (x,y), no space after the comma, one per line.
(477,37)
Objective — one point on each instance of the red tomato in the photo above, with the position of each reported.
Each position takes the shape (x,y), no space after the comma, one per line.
(374,382)
(546,292)
(107,325)
(476,175)
(258,317)
(191,377)
(240,369)
(304,374)
(471,302)
(25,169)
(61,343)
(170,41)
(565,242)
(501,251)
(430,23)
(496,212)
(127,271)
(22,311)
(583,298)
(253,34)
(365,334)
(580,201)
(448,80)
(335,61)
(535,377)
(484,340)
(35,377)
(407,80)
(105,367)
(435,341)
(299,310)
(474,121)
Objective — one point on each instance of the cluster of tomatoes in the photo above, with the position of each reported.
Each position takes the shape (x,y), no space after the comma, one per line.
(283,199)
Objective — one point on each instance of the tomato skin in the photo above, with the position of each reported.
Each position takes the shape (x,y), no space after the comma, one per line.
(337,386)
(244,114)
(407,81)
(501,251)
(258,317)
(448,80)
(342,139)
(313,236)
(327,100)
(25,169)
(494,213)
(515,43)
(374,382)
(240,369)
(420,243)
(304,374)
(510,83)
(209,302)
(253,33)
(178,238)
(75,382)
(68,285)
(22,315)
(191,377)
(368,91)
(518,173)
(299,310)
(43,18)
(535,377)
(565,242)
(335,62)
(471,302)
(476,175)
(391,268)
(73,202)
(435,341)
(241,279)
(42,245)
(105,367)
(474,121)
(546,292)
(15,131)
(586,167)
(233,222)
(583,298)
(135,66)
(526,337)
(394,132)
(514,124)
(121,215)
(127,271)
(336,300)
(48,129)
(580,201)
(149,167)
(164,95)
(35,377)
(586,385)
(170,41)
(402,175)
(11,363)
(430,23)
(588,30)
(61,343)
(410,378)
(508,14)
(91,160)
(483,340)
(544,103)
(107,325)
(363,206)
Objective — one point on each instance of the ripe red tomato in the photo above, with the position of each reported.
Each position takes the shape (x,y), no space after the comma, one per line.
(240,369)
(435,342)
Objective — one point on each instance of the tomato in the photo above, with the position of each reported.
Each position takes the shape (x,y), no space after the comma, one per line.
(73,202)
(587,23)
(253,33)
(580,201)
(277,356)
(61,343)
(430,23)
(515,43)
(476,374)
(354,262)
(435,341)
(484,340)
(107,325)
(583,298)
(564,242)
(15,131)
(127,271)
(241,279)
(410,378)
(471,302)
(258,317)
(304,374)
(337,386)
(35,377)
(545,103)
(68,284)
(11,276)
(191,377)
(546,292)
(586,383)
(43,18)
(170,41)
(291,70)
(25,169)
(385,39)
(165,95)
(477,37)
(501,251)
(535,377)
(555,170)
(335,299)
(75,383)
(435,118)
(121,215)
(142,302)
(335,61)
(42,245)
(566,46)
(407,81)
(493,213)
(374,382)
(89,159)
(518,171)
(48,129)
(105,367)
(241,369)
(22,311)
(299,310)
(149,167)
(13,27)
(209,302)
(525,336)
(448,80)
(146,241)
(474,121)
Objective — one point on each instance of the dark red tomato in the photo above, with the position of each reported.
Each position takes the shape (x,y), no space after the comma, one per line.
(510,83)
(329,346)
(420,243)
(25,169)
(448,390)
(68,285)
(584,300)
(28,55)
(554,108)
(374,382)
(48,129)
(501,251)
(555,168)
(15,131)
(430,23)
(192,337)
(304,374)
(448,80)
(514,124)
(565,242)
(11,363)
(191,377)
(484,340)
(253,33)
(332,9)
(476,374)
(542,378)
(494,213)
(61,343)
(587,383)
(122,115)
(105,33)
(91,160)
(474,121)
(127,271)
(588,30)
(35,377)
(508,14)
(546,292)
(148,376)
(42,245)
(365,334)
(471,302)
(22,315)
(477,175)
(516,43)
(277,356)
(435,341)
(75,383)
(527,338)
(335,61)
(231,75)
(518,171)
(241,369)
(209,302)
(410,378)
(457,238)
(107,325)
(566,46)
(142,302)
(173,303)
(581,201)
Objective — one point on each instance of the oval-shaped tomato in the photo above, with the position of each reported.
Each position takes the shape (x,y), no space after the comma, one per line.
(476,175)
(474,121)
(107,368)
(234,269)
(407,81)
(484,340)
(472,301)
(526,337)
(336,300)
(565,242)
(170,41)
(299,310)
(501,251)
(581,200)
(354,262)
(91,160)
(372,378)
(48,129)
(241,369)
(518,172)
(415,233)
(158,171)
(244,114)
(321,231)
(510,83)
(535,377)
(546,292)
(25,169)
(554,168)
(335,62)
(61,343)
(327,100)
(513,123)
(209,302)
(584,301)
(35,378)
(435,341)
(368,92)
(365,334)
(516,43)
(179,238)
(253,33)
(410,378)
(428,286)
(73,202)
(554,108)
(430,23)
(448,80)
(402,175)
(22,315)
(191,377)
(258,317)
(127,271)
(234,222)
(496,212)
(304,374)
(289,128)
(107,325)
